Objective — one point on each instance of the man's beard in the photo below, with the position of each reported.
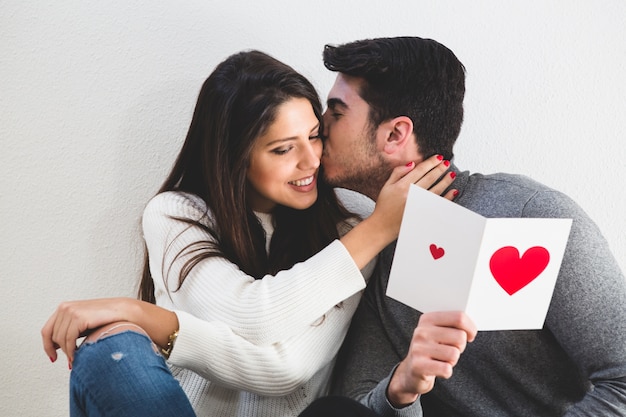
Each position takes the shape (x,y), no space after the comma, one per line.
(366,176)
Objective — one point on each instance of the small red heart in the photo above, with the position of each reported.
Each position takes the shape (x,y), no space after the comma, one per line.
(514,273)
(436,252)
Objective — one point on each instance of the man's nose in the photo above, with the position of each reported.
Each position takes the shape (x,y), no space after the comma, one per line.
(326,120)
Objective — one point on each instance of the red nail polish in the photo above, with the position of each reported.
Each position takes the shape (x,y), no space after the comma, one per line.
(452,174)
(51,359)
(455,193)
(446,163)
(409,164)
(440,157)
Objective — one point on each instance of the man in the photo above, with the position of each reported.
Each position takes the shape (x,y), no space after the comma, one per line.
(397,100)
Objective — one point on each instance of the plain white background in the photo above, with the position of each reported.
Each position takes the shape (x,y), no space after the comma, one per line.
(96,97)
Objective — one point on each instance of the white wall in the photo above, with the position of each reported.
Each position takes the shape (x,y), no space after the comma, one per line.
(95,99)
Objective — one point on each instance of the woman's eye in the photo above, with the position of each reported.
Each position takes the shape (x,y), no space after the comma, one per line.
(317,136)
(282,151)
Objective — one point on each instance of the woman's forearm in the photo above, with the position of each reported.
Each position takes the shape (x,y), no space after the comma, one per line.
(366,240)
(158,322)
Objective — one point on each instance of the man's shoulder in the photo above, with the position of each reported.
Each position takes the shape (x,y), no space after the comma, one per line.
(355,202)
(503,180)
(512,195)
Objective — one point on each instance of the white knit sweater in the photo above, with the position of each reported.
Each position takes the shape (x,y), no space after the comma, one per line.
(249,347)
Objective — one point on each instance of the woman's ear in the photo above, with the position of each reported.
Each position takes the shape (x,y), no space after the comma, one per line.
(398,134)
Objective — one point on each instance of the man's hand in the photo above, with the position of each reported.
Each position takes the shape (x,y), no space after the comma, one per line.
(436,346)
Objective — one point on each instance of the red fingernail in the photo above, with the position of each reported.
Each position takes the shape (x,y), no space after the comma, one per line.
(409,164)
(446,163)
(51,359)
(452,174)
(455,193)
(440,157)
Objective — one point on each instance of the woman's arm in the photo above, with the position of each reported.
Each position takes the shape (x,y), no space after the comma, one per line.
(321,269)
(277,306)
(276,369)
(373,234)
(74,319)
(210,348)
(262,311)
(71,320)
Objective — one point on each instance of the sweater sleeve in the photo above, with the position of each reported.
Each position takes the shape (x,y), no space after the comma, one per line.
(260,310)
(588,311)
(281,329)
(214,352)
(368,358)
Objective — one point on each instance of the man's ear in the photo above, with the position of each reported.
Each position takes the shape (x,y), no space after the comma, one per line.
(398,134)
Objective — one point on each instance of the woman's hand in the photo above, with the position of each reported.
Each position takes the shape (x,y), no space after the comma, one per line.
(392,198)
(74,319)
(430,176)
(381,228)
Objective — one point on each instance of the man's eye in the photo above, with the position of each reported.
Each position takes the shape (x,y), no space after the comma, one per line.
(336,115)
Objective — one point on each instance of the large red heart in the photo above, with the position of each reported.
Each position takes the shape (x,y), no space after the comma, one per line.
(436,252)
(514,273)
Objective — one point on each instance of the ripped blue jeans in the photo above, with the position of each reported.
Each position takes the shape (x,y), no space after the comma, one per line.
(122,375)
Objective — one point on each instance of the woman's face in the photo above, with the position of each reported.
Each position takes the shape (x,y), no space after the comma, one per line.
(285,160)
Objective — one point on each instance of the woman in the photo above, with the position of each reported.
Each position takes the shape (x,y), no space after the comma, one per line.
(251,263)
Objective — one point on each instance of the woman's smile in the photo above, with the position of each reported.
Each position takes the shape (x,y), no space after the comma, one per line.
(303,182)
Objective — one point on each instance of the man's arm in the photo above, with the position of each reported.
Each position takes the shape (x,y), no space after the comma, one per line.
(366,369)
(367,358)
(587,315)
(436,346)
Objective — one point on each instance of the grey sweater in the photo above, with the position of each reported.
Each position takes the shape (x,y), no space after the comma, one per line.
(574,366)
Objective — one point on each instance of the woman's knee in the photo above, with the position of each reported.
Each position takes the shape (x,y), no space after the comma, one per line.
(118,368)
(113,328)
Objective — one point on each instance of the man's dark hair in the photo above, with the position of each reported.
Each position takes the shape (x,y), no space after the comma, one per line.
(408,76)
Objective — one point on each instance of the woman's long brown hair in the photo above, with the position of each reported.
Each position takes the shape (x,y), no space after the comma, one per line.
(237,104)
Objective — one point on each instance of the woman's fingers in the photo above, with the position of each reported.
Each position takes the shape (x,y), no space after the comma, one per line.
(406,172)
(425,174)
(61,331)
(74,319)
(71,335)
(429,170)
(430,174)
(49,346)
(443,184)
(451,194)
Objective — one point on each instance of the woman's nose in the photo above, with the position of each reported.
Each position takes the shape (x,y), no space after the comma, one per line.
(311,155)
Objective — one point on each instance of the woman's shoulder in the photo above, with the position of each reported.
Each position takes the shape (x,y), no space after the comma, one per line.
(176,204)
(355,202)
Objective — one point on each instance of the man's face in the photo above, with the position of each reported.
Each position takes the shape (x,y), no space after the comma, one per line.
(351,156)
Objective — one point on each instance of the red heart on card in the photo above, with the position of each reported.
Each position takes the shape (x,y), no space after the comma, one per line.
(436,252)
(514,273)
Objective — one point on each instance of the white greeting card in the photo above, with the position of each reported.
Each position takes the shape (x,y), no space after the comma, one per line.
(500,271)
